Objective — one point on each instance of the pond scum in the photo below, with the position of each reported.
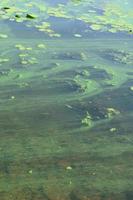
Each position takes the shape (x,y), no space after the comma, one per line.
(66,100)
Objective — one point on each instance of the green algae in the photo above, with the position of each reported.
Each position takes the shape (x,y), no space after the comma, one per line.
(113,19)
(87,120)
(66,109)
(3,36)
(112,112)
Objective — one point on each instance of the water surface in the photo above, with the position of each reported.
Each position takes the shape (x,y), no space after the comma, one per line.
(66,100)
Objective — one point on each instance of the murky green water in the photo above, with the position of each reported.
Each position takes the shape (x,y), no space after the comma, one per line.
(66,100)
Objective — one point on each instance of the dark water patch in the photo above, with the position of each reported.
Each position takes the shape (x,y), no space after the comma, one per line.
(68,27)
(50,66)
(97,112)
(5,164)
(97,74)
(130,73)
(67,74)
(56,2)
(50,88)
(107,105)
(93,73)
(120,98)
(83,71)
(117,56)
(74,196)
(20,30)
(70,56)
(4,72)
(129,195)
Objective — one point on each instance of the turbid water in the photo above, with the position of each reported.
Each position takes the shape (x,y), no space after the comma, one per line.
(66,100)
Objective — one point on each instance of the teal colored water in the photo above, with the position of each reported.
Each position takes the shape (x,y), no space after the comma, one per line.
(66,100)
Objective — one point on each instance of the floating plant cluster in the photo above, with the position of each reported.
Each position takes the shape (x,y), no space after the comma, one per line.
(110,17)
